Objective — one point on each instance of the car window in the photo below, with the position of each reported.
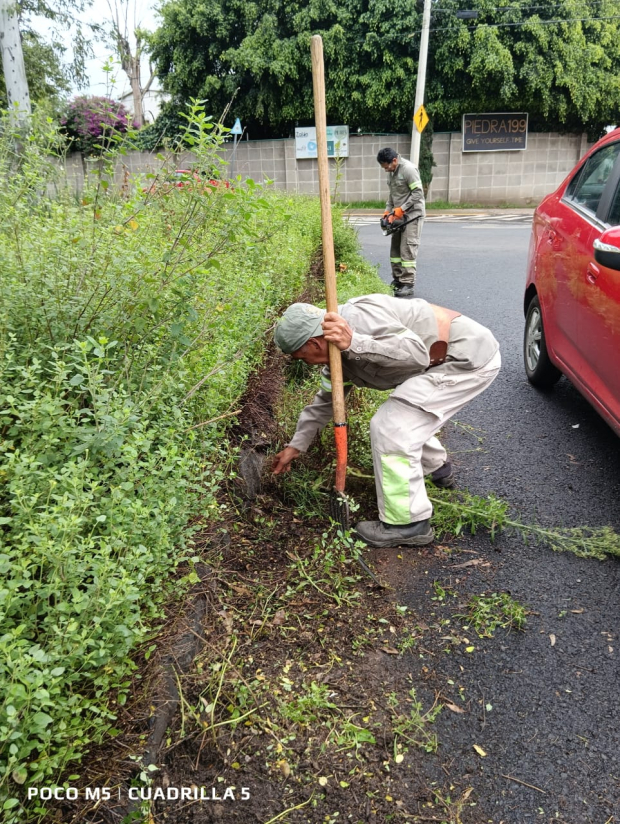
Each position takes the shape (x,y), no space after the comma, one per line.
(587,186)
(614,212)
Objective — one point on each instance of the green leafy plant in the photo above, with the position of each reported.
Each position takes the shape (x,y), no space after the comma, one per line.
(311,706)
(488,612)
(412,728)
(458,510)
(327,569)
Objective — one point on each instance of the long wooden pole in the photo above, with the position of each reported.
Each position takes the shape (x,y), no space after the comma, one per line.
(329,262)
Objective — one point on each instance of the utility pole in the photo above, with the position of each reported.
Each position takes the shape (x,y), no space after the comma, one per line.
(17,91)
(416,136)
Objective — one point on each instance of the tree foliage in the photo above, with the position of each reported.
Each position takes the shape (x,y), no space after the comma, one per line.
(558,60)
(514,56)
(261,52)
(62,17)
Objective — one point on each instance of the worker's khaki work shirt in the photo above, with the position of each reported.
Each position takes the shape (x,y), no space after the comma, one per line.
(406,189)
(390,346)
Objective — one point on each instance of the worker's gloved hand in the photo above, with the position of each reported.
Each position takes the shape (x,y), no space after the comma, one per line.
(282,461)
(337,331)
(398,213)
(386,213)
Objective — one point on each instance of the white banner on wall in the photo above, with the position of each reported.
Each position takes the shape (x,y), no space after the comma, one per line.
(337,142)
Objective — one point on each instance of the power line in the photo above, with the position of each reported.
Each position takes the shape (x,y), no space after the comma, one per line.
(525,23)
(545,6)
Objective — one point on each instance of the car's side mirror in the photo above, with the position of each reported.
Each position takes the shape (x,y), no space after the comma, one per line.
(607,249)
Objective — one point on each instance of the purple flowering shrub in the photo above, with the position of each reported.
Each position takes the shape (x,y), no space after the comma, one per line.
(92,122)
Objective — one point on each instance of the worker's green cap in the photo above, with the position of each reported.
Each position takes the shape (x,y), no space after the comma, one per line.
(298,324)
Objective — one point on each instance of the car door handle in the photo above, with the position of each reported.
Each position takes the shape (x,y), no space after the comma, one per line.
(592,273)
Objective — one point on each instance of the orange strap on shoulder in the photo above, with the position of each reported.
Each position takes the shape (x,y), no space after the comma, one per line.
(444,317)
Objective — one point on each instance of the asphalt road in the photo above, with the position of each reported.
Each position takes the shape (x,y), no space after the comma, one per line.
(554,690)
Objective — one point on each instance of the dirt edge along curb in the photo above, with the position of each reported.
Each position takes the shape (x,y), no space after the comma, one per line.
(180,652)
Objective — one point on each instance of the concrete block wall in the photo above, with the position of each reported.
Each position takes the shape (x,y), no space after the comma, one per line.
(493,178)
(77,168)
(359,176)
(260,160)
(520,178)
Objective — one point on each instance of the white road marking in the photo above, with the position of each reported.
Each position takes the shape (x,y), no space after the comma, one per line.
(363,220)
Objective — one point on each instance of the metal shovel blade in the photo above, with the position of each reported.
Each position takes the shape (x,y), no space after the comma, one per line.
(339,510)
(340,514)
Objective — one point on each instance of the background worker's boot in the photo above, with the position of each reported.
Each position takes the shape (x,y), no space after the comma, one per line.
(444,476)
(404,290)
(378,533)
(395,284)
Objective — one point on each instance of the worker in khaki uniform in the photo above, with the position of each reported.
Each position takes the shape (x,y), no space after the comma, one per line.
(434,359)
(406,203)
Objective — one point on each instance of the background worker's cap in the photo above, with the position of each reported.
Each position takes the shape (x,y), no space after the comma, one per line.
(298,324)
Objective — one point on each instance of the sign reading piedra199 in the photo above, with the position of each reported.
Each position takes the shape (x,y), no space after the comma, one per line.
(503,132)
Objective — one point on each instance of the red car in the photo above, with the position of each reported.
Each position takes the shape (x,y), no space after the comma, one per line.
(572,297)
(182,179)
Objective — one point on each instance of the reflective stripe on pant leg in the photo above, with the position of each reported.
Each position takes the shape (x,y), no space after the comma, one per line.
(401,428)
(396,442)
(395,485)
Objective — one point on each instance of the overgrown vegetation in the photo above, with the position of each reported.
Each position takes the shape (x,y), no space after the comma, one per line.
(129,322)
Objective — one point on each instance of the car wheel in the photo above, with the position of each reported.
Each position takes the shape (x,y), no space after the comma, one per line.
(538,367)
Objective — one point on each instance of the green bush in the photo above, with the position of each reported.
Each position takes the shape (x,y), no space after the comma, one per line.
(128,322)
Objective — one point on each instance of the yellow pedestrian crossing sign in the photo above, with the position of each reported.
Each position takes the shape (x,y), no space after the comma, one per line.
(420,118)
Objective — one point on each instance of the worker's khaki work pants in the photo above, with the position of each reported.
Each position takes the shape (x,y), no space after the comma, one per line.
(404,251)
(404,446)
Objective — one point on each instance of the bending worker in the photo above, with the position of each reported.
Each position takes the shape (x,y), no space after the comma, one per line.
(406,203)
(434,359)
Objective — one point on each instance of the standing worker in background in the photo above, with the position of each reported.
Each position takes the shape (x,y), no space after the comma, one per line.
(406,203)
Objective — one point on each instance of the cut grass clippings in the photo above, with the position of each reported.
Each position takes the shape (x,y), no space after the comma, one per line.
(457,510)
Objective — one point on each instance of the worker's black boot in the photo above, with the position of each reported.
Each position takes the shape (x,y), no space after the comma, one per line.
(377,533)
(444,476)
(404,290)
